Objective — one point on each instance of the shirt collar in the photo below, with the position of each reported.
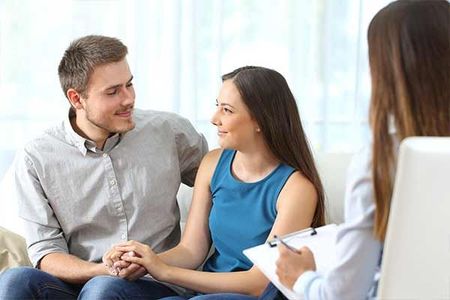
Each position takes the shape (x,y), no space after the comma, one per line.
(85,145)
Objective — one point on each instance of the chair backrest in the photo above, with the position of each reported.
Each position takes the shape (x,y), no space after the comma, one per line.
(332,169)
(416,258)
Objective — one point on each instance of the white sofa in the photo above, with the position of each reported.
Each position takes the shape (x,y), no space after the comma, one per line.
(332,168)
(333,172)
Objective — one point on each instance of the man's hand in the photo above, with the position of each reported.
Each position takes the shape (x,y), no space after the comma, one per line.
(118,267)
(290,264)
(127,270)
(144,256)
(111,257)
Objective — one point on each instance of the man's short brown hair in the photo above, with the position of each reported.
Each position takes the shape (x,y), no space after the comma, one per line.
(83,55)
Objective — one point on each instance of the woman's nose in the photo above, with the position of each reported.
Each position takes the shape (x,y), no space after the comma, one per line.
(215,119)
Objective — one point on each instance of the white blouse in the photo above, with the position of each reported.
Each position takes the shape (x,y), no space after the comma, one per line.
(358,252)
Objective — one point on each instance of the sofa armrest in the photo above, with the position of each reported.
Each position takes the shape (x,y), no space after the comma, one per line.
(13,250)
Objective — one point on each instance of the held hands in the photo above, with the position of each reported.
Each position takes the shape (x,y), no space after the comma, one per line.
(116,266)
(290,264)
(143,256)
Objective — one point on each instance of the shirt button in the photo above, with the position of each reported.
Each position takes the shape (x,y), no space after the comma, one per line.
(113,182)
(105,155)
(123,236)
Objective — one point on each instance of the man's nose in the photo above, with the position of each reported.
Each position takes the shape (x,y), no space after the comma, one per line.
(128,96)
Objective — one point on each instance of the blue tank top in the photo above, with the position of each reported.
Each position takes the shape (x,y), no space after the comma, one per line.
(242,214)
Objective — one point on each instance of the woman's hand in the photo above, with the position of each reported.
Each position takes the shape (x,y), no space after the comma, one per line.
(290,264)
(141,254)
(118,267)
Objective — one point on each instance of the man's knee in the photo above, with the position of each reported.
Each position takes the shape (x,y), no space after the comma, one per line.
(26,278)
(111,287)
(103,287)
(30,283)
(19,276)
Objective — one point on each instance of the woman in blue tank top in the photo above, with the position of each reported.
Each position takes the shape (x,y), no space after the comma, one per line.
(261,182)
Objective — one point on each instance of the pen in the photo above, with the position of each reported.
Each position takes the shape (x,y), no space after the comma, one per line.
(278,239)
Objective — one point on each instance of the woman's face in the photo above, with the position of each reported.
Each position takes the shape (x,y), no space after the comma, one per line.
(236,128)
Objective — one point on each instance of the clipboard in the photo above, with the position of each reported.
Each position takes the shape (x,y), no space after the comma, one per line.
(320,240)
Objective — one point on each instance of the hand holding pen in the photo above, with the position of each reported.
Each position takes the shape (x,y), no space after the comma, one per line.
(292,262)
(281,241)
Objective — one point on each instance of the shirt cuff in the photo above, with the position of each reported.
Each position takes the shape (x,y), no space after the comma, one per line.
(40,249)
(303,283)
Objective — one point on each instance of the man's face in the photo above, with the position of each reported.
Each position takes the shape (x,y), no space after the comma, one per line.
(108,107)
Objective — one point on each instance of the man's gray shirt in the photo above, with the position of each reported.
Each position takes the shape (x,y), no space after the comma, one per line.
(77,199)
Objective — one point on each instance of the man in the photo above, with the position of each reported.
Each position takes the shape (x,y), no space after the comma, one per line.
(107,174)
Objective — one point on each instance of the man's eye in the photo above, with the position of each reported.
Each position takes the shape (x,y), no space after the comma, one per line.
(112,93)
(227,110)
(129,84)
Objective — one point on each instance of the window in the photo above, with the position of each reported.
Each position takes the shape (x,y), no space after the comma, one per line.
(178,51)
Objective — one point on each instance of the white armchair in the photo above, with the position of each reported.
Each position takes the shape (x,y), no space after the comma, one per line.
(416,255)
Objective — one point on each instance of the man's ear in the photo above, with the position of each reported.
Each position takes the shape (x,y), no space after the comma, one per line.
(74,99)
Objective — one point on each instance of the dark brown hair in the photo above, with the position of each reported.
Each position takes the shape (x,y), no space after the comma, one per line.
(270,101)
(409,54)
(83,55)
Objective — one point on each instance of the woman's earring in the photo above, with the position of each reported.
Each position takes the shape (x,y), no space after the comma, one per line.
(258,130)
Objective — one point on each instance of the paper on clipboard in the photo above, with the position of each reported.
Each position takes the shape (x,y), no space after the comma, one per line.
(321,244)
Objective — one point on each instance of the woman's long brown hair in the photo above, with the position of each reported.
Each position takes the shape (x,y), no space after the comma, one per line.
(409,54)
(270,101)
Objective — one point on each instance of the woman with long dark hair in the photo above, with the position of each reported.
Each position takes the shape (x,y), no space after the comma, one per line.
(261,182)
(409,55)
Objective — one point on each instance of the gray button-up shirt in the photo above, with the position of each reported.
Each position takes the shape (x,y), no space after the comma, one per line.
(77,199)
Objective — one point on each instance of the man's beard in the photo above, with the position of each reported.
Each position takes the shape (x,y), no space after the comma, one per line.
(109,127)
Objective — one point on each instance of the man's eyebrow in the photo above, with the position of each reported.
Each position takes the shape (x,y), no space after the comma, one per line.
(118,85)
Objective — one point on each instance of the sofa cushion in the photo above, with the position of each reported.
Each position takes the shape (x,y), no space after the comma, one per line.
(13,250)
